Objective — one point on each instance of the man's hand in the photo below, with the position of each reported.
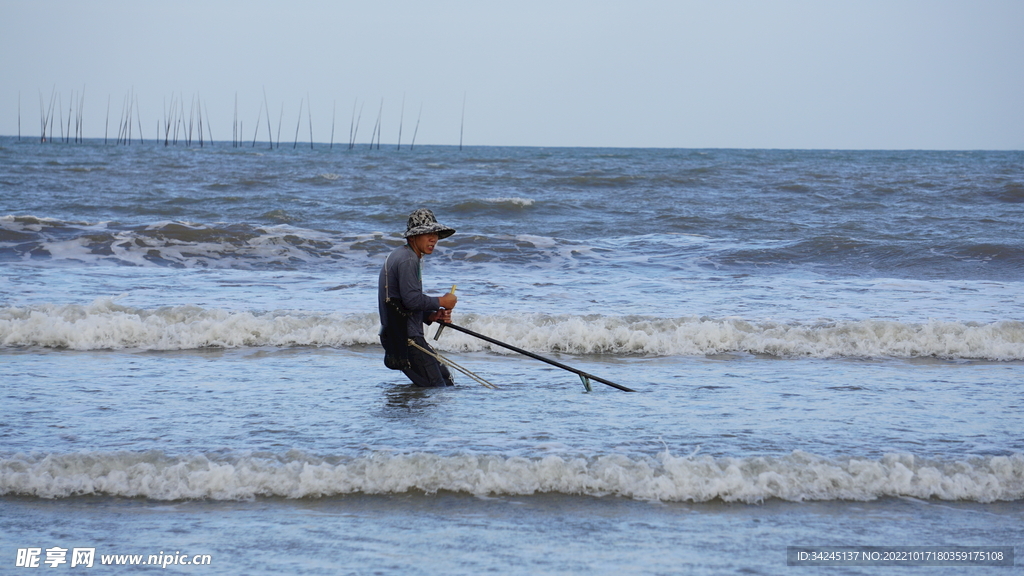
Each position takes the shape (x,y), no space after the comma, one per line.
(448,301)
(442,315)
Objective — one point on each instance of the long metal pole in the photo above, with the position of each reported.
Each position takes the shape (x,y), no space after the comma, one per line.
(580,373)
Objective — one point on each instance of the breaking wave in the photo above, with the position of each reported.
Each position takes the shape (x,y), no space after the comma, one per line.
(797,477)
(178,244)
(512,201)
(105,324)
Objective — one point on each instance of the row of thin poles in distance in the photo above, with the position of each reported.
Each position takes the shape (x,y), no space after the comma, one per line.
(193,127)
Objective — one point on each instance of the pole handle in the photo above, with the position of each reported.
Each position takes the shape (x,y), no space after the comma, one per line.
(440,326)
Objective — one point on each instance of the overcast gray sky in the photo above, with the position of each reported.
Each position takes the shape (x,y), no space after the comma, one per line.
(890,74)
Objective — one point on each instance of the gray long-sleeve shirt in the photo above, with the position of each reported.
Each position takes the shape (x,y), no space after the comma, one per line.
(400,278)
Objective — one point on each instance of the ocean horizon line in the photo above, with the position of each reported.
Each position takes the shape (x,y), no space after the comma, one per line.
(34,139)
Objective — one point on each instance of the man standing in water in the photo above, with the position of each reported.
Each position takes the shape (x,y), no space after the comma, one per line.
(404,308)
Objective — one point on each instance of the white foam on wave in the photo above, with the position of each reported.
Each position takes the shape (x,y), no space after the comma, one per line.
(515,201)
(104,324)
(1003,340)
(797,477)
(178,243)
(16,223)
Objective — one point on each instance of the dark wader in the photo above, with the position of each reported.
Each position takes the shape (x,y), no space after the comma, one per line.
(424,370)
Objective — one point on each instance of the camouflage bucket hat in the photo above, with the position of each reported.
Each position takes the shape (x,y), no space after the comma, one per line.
(423,221)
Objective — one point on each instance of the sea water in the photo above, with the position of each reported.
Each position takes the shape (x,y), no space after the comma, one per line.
(827,349)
